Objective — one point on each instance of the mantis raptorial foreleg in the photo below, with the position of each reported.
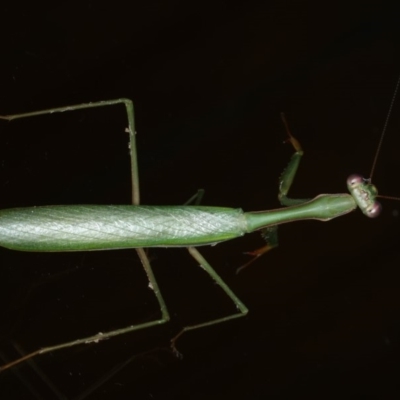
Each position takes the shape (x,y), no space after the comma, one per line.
(289,173)
(270,234)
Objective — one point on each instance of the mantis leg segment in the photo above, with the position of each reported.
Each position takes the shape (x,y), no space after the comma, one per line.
(106,335)
(243,310)
(130,129)
(142,255)
(154,286)
(270,235)
(287,177)
(196,198)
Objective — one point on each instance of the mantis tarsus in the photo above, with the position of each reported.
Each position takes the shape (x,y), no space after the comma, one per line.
(91,227)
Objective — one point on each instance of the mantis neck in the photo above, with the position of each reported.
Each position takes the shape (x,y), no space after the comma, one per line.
(323,207)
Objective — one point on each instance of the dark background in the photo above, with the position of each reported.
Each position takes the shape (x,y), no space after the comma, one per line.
(208,82)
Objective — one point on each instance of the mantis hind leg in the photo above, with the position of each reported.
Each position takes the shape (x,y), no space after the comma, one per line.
(141,253)
(136,201)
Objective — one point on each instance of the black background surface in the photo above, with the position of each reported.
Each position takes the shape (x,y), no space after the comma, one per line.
(208,82)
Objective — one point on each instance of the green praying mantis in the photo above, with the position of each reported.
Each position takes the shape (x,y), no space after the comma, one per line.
(105,227)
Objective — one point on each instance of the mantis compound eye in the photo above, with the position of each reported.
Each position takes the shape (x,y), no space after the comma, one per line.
(355,180)
(374,210)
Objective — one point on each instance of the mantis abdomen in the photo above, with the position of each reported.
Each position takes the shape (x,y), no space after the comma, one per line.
(94,227)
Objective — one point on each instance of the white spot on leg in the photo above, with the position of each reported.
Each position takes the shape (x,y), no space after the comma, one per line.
(96,339)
